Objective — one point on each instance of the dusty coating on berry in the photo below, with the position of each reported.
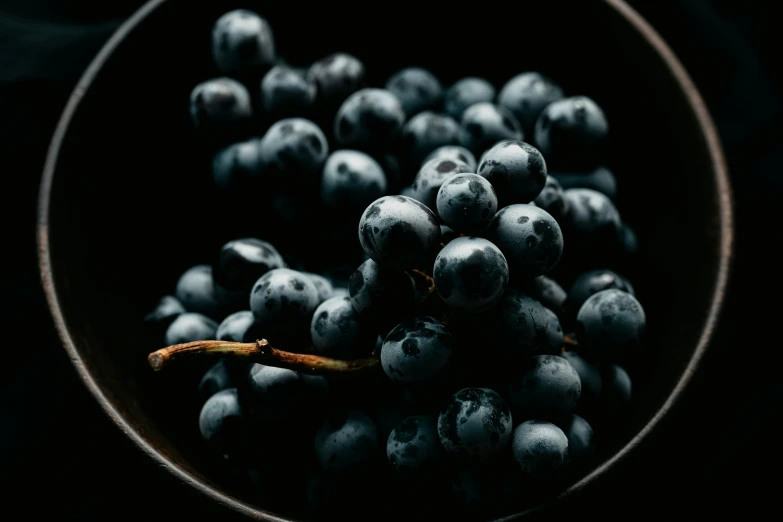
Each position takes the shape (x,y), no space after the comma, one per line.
(467,202)
(239,327)
(591,214)
(369,119)
(529,237)
(219,103)
(547,386)
(516,169)
(417,350)
(352,179)
(526,95)
(294,147)
(426,132)
(486,124)
(432,175)
(417,89)
(242,42)
(466,92)
(218,413)
(414,444)
(336,77)
(589,376)
(285,90)
(196,291)
(189,327)
(541,449)
(454,153)
(399,232)
(336,330)
(284,298)
(580,437)
(610,324)
(470,274)
(346,442)
(376,291)
(475,422)
(571,132)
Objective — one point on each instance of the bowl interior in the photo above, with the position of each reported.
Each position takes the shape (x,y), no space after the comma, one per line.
(132,203)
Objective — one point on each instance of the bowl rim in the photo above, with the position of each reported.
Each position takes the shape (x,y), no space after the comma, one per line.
(725,226)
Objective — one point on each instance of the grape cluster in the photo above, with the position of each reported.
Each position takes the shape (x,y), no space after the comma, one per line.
(491,373)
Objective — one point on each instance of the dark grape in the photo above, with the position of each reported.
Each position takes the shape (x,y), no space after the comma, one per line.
(239,327)
(599,179)
(234,166)
(283,301)
(543,289)
(616,389)
(242,42)
(222,375)
(580,437)
(167,309)
(322,284)
(516,169)
(241,262)
(466,92)
(426,132)
(541,247)
(369,119)
(592,282)
(399,232)
(224,424)
(378,292)
(417,89)
(476,422)
(283,398)
(336,77)
(546,387)
(486,124)
(526,95)
(337,331)
(294,147)
(593,221)
(541,449)
(414,445)
(432,175)
(571,132)
(467,202)
(470,274)
(346,442)
(286,92)
(552,199)
(351,179)
(417,350)
(589,377)
(189,327)
(221,103)
(610,325)
(455,153)
(196,291)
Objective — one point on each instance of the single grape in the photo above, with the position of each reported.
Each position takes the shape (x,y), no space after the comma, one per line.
(432,175)
(189,327)
(580,437)
(414,445)
(516,169)
(286,92)
(541,449)
(417,89)
(554,334)
(543,289)
(466,92)
(475,422)
(552,199)
(337,76)
(242,42)
(610,325)
(283,301)
(220,376)
(516,326)
(378,292)
(283,398)
(220,103)
(546,387)
(369,119)
(398,232)
(616,390)
(486,124)
(593,220)
(571,132)
(337,332)
(351,179)
(241,262)
(167,309)
(529,238)
(294,147)
(427,131)
(223,423)
(592,282)
(470,274)
(467,202)
(322,284)
(239,327)
(599,179)
(526,95)
(589,376)
(416,350)
(455,153)
(346,442)
(234,166)
(447,234)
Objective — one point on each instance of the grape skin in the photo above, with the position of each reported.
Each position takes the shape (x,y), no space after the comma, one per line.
(453,152)
(414,444)
(346,442)
(546,387)
(467,202)
(337,331)
(417,350)
(475,422)
(541,449)
(610,324)
(432,175)
(541,247)
(189,327)
(526,95)
(516,169)
(417,89)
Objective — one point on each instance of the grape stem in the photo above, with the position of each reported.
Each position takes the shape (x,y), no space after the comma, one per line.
(260,352)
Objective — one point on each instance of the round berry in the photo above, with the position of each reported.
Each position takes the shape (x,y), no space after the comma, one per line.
(239,327)
(592,282)
(467,202)
(541,449)
(235,165)
(526,95)
(377,291)
(189,327)
(286,92)
(486,124)
(346,442)
(351,179)
(427,131)
(414,445)
(571,132)
(295,147)
(610,324)
(220,103)
(475,422)
(337,331)
(455,153)
(431,176)
(242,42)
(589,376)
(529,237)
(242,261)
(467,92)
(196,291)
(416,350)
(283,301)
(516,170)
(580,437)
(369,119)
(417,88)
(336,77)
(552,199)
(547,387)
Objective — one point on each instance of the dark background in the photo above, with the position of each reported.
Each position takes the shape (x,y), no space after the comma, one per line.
(719,450)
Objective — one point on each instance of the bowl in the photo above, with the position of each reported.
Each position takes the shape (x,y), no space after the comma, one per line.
(127,202)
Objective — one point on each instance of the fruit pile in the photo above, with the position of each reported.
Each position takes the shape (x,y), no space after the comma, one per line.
(477,392)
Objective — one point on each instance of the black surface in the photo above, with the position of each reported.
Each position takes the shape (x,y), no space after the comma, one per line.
(60,456)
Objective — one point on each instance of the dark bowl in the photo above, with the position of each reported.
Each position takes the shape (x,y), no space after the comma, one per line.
(127,201)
